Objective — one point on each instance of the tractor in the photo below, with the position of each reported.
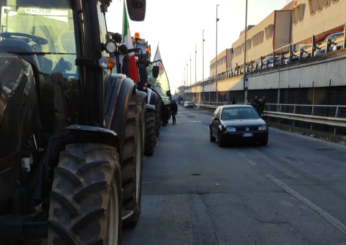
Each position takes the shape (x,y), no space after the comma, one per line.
(71,131)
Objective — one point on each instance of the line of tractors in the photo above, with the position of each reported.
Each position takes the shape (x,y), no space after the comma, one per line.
(73,133)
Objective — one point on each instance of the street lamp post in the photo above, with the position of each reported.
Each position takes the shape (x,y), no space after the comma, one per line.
(187,73)
(244,67)
(196,71)
(190,71)
(217,20)
(184,76)
(203,54)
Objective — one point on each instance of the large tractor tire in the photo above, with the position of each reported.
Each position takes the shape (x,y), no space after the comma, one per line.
(85,201)
(150,133)
(131,164)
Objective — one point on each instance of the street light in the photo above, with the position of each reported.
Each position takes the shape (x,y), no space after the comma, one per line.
(187,73)
(217,20)
(203,54)
(190,71)
(244,66)
(195,63)
(196,70)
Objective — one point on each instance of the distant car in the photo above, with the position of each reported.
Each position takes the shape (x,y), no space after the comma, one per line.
(296,54)
(237,123)
(189,104)
(333,47)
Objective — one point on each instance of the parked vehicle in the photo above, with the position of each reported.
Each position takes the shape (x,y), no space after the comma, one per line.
(296,54)
(188,104)
(237,123)
(71,145)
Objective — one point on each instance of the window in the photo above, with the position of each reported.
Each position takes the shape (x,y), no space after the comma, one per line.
(298,13)
(238,50)
(326,3)
(258,38)
(269,31)
(312,6)
(319,5)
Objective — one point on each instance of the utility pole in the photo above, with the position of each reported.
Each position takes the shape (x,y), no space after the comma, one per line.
(187,73)
(190,71)
(244,67)
(184,76)
(195,63)
(203,54)
(196,71)
(217,20)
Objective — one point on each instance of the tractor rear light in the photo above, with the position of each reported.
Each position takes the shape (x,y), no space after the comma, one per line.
(106,63)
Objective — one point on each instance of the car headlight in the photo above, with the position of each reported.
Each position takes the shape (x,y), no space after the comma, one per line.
(231,129)
(262,128)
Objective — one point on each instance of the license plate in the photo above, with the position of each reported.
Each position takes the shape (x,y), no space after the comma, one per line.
(247,134)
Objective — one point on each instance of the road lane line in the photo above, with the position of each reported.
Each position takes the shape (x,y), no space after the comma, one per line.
(207,127)
(251,162)
(340,226)
(241,154)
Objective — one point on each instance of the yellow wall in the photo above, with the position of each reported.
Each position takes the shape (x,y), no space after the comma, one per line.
(222,63)
(324,20)
(254,52)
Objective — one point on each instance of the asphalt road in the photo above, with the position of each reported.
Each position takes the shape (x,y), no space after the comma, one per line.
(292,191)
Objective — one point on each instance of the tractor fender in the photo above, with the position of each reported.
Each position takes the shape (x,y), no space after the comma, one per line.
(95,135)
(118,91)
(150,107)
(40,185)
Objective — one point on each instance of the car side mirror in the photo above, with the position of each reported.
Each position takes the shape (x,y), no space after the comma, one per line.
(155,71)
(136,9)
(168,93)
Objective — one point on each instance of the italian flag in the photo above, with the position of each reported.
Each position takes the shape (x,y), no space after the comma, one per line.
(127,40)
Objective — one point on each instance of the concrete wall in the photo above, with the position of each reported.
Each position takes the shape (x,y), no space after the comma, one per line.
(317,72)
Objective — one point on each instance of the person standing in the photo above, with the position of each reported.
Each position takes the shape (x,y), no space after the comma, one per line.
(174,110)
(262,105)
(234,101)
(255,104)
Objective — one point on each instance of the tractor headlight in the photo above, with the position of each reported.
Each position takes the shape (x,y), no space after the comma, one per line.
(110,46)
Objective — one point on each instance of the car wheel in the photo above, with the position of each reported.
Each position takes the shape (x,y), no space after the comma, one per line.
(220,140)
(211,137)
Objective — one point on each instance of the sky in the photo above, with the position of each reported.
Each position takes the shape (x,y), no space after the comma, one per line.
(177,27)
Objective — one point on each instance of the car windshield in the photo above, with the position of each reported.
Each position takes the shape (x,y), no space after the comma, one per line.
(239,113)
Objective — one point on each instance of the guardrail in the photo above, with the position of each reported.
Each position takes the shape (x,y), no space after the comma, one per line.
(275,110)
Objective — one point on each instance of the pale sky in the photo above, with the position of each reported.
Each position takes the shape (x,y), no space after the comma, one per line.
(177,26)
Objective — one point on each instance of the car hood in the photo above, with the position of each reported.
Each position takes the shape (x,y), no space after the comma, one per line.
(244,122)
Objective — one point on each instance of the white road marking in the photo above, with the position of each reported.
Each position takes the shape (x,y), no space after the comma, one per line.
(251,162)
(207,127)
(195,121)
(340,226)
(241,154)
